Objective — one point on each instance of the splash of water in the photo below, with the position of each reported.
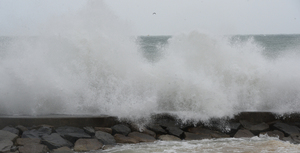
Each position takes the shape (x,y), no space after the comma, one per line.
(88,63)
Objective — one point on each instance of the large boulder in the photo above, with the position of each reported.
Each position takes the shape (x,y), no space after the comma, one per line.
(72,134)
(243,133)
(141,137)
(33,148)
(175,131)
(62,150)
(55,141)
(120,129)
(5,135)
(157,129)
(168,138)
(286,129)
(11,129)
(25,141)
(274,133)
(84,145)
(31,134)
(232,128)
(104,129)
(124,139)
(89,130)
(105,138)
(193,136)
(5,145)
(254,127)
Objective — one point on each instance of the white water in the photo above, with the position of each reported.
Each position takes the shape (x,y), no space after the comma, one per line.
(87,62)
(228,145)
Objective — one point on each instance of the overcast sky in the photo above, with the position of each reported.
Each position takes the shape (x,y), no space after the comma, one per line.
(171,16)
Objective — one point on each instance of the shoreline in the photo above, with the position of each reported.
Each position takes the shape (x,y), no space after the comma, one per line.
(63,133)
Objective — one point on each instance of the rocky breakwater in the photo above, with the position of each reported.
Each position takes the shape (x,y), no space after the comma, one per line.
(163,127)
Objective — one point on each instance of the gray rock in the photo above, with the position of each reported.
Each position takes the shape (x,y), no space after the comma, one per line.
(141,137)
(31,134)
(62,150)
(243,134)
(89,130)
(232,128)
(5,135)
(168,138)
(274,133)
(149,132)
(72,134)
(55,141)
(157,129)
(124,139)
(120,129)
(5,145)
(25,141)
(44,130)
(84,145)
(33,148)
(11,129)
(255,128)
(286,129)
(21,128)
(193,136)
(207,133)
(105,138)
(175,131)
(104,129)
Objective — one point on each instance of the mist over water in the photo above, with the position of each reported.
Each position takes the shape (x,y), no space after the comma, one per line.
(88,62)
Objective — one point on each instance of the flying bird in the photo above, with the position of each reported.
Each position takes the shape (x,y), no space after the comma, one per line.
(153,13)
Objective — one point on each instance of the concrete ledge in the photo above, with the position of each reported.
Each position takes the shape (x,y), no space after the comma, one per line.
(108,121)
(56,121)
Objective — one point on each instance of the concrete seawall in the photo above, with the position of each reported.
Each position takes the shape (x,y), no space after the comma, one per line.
(108,121)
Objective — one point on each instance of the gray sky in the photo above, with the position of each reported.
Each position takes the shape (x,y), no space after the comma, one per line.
(172,16)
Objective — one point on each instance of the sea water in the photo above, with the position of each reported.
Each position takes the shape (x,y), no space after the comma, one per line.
(89,63)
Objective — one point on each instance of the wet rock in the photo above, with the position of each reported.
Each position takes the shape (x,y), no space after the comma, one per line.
(243,133)
(149,132)
(175,131)
(33,148)
(14,149)
(193,136)
(286,129)
(167,123)
(25,141)
(104,129)
(44,130)
(120,129)
(31,134)
(168,138)
(11,129)
(124,139)
(89,130)
(83,145)
(233,128)
(141,137)
(72,134)
(157,129)
(217,134)
(274,133)
(5,145)
(21,128)
(295,138)
(105,138)
(255,128)
(62,150)
(5,135)
(55,141)
(204,133)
